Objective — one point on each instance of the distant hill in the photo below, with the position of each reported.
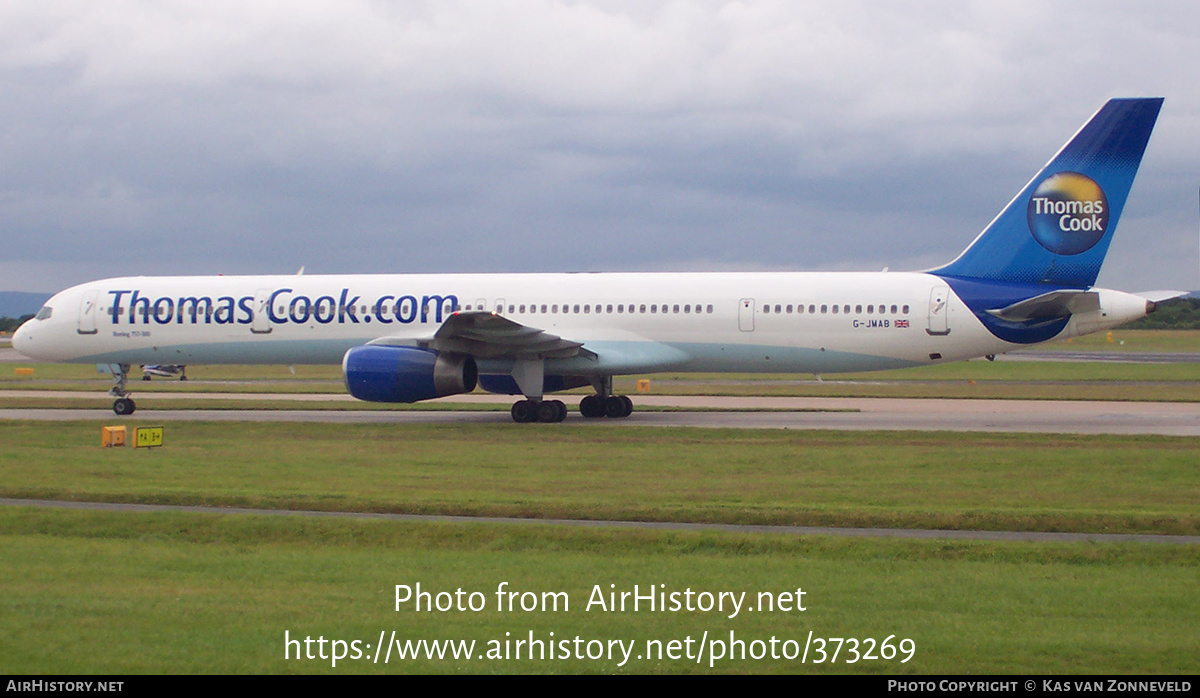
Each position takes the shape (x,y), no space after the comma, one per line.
(14,304)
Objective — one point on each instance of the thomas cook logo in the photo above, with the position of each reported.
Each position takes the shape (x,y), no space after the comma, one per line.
(1068,213)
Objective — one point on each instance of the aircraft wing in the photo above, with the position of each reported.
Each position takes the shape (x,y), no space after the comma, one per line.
(486,335)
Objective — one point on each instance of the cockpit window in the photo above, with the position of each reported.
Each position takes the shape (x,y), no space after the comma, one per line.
(44,313)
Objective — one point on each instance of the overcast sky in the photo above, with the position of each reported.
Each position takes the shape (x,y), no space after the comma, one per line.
(168,137)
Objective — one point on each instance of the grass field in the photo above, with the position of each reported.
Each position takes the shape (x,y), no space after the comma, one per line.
(918,480)
(138,593)
(110,592)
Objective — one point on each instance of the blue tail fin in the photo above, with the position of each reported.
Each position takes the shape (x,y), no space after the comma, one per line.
(1057,230)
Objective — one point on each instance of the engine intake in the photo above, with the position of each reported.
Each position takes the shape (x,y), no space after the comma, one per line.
(406,374)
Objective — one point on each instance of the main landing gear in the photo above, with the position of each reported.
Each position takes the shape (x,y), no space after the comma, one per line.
(528,411)
(602,404)
(592,406)
(529,374)
(613,406)
(123,404)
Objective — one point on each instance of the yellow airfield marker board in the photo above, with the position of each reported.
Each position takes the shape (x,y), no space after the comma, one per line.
(147,437)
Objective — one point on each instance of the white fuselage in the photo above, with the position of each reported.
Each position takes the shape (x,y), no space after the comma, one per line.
(629,322)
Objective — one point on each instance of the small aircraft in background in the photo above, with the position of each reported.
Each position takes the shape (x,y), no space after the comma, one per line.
(164,371)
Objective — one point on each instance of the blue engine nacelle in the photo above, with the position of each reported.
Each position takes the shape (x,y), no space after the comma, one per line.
(406,374)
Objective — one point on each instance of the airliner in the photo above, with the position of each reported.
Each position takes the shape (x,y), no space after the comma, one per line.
(1027,278)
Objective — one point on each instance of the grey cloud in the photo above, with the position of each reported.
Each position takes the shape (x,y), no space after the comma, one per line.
(174,137)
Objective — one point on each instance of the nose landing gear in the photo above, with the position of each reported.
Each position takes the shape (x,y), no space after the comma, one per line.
(123,405)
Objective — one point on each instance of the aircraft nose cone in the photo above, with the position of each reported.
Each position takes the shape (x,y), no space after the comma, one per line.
(22,339)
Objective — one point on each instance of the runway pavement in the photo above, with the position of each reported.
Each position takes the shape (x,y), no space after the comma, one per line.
(889,414)
(10,355)
(1110,357)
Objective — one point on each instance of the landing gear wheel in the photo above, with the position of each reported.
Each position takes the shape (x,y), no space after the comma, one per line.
(552,411)
(613,407)
(591,407)
(524,412)
(123,406)
(618,407)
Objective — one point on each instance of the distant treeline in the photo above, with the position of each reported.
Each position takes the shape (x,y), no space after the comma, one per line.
(1175,314)
(9,324)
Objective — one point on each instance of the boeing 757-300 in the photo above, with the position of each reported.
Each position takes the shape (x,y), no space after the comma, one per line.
(1027,278)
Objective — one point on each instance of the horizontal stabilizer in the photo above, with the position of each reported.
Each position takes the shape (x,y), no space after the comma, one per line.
(1160,296)
(1050,306)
